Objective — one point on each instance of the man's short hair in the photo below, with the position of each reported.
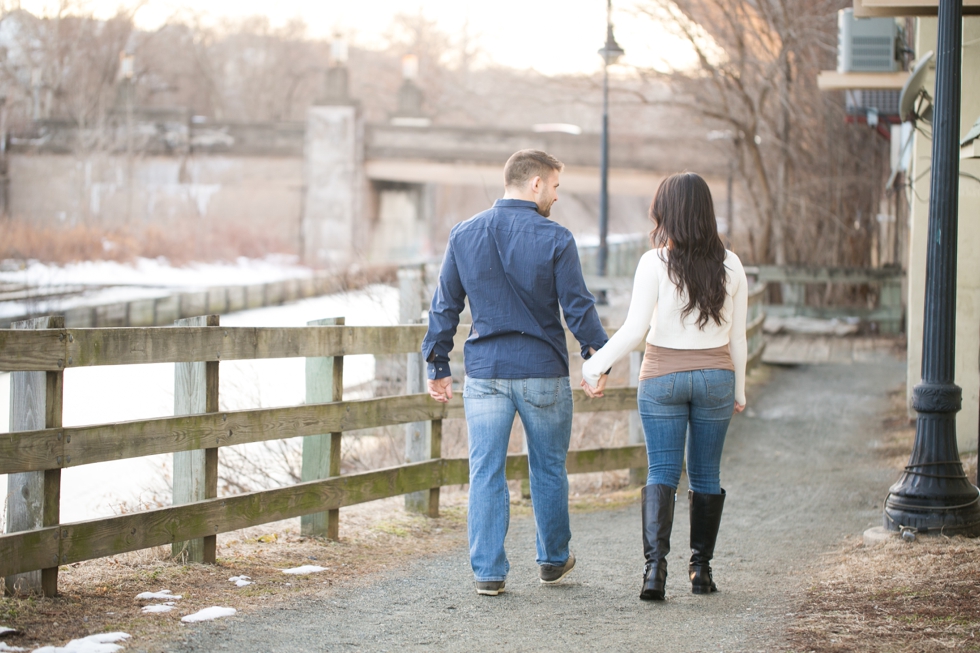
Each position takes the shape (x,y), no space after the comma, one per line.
(525,165)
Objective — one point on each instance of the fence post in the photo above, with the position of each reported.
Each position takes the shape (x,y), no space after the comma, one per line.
(196,472)
(34,498)
(435,453)
(418,438)
(638,475)
(321,453)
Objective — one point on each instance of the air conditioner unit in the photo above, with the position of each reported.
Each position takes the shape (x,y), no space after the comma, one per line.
(867,44)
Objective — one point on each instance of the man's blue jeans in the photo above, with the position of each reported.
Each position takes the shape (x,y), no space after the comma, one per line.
(545,407)
(702,400)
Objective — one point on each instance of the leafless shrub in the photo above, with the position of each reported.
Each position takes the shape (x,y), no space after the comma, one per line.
(180,242)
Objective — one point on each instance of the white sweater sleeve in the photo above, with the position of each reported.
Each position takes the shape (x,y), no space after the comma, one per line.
(738,344)
(646,288)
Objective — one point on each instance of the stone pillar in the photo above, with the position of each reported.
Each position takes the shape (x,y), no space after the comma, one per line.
(334,176)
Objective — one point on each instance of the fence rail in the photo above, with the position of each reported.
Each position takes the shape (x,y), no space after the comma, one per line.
(886,284)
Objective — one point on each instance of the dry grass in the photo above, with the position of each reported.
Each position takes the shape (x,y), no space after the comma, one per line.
(895,597)
(180,241)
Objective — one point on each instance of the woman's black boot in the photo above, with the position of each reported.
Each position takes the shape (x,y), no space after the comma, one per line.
(705,520)
(658,518)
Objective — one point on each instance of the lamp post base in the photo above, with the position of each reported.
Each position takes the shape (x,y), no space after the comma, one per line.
(933,516)
(934,495)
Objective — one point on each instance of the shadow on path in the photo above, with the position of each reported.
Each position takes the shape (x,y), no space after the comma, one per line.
(800,472)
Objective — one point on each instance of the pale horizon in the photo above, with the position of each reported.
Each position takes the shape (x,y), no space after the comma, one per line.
(549,36)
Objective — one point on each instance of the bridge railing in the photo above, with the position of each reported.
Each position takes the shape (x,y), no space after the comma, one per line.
(39,447)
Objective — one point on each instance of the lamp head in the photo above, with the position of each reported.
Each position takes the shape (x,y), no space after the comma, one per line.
(611,52)
(338,50)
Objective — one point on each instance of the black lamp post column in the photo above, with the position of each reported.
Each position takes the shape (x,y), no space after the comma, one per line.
(603,258)
(610,53)
(933,494)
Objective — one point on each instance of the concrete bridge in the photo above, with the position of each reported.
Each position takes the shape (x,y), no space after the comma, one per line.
(334,188)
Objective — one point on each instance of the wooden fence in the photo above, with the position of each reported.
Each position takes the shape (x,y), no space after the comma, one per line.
(39,447)
(884,284)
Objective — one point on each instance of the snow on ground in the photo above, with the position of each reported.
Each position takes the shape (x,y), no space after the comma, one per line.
(113,282)
(162,595)
(305,569)
(101,643)
(95,395)
(207,614)
(159,273)
(240,581)
(7,647)
(158,608)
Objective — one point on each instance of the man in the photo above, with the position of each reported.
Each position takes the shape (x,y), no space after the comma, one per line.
(516,267)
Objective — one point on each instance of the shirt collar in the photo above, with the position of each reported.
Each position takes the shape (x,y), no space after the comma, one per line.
(512,203)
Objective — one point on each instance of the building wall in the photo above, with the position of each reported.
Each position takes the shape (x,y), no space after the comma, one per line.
(258,193)
(968,262)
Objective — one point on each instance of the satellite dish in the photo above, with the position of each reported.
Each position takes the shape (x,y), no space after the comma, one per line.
(915,88)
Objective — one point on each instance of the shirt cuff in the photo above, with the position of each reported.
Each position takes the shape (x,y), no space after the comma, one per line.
(438,370)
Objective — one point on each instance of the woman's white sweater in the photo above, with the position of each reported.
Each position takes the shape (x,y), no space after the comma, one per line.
(656,306)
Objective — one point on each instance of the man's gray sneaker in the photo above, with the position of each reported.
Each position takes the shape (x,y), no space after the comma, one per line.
(553,573)
(489,587)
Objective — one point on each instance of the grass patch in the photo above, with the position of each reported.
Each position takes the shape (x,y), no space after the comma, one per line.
(896,597)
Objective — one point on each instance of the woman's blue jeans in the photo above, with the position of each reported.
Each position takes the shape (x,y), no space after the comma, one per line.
(545,407)
(697,404)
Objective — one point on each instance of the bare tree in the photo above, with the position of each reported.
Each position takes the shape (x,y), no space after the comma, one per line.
(754,77)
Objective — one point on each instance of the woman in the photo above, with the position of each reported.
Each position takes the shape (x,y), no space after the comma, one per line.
(692,296)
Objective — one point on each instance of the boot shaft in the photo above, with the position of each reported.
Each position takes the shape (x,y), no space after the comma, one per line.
(706,512)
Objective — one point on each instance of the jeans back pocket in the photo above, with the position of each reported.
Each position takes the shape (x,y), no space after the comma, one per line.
(541,392)
(719,384)
(658,389)
(479,387)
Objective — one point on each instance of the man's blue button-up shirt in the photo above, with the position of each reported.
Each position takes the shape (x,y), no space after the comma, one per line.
(516,267)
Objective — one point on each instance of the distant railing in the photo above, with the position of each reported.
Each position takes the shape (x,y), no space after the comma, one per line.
(163,311)
(885,283)
(39,447)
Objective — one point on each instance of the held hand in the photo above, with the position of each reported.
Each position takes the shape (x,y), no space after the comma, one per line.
(441,389)
(595,392)
(601,386)
(738,408)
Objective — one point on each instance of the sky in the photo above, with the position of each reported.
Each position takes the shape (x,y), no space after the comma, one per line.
(550,36)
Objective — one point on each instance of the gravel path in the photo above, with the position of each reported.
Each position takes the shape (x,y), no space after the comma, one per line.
(800,474)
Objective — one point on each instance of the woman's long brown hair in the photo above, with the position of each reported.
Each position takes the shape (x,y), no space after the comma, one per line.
(684,219)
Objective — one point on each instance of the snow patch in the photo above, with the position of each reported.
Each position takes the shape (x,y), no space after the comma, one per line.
(158,607)
(162,595)
(5,647)
(101,643)
(207,614)
(305,569)
(241,581)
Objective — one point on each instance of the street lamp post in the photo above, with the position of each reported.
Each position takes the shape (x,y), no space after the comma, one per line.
(610,53)
(933,495)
